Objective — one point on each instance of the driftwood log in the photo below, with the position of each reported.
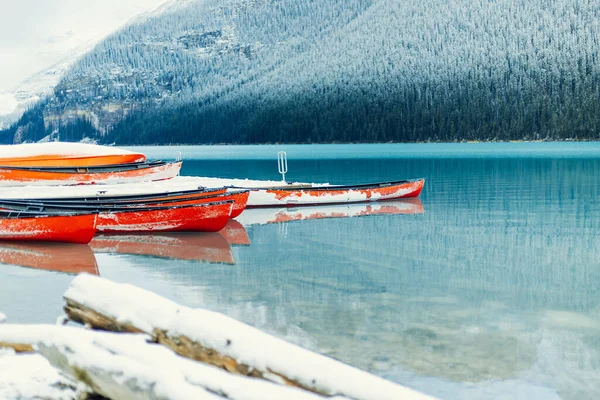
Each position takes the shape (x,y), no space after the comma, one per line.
(126,366)
(220,341)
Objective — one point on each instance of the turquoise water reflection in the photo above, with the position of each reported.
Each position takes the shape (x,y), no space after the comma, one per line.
(490,291)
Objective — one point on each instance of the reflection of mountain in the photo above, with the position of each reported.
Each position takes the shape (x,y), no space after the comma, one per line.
(209,247)
(60,257)
(259,216)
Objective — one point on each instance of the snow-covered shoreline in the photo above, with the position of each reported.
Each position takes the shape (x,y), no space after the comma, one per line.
(218,357)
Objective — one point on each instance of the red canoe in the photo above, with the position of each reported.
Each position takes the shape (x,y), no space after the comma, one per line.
(294,194)
(239,198)
(193,246)
(73,228)
(135,172)
(68,258)
(206,217)
(99,205)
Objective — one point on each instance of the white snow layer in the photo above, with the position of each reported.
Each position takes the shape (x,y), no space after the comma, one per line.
(131,360)
(30,376)
(247,345)
(178,183)
(58,148)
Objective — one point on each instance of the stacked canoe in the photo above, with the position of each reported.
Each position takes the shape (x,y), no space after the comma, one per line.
(45,213)
(67,192)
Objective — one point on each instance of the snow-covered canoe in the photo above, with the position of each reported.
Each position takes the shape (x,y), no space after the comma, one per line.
(206,217)
(293,195)
(120,203)
(68,258)
(261,216)
(31,226)
(55,154)
(193,246)
(135,172)
(281,194)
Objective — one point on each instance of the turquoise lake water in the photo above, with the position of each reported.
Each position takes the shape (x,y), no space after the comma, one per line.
(487,288)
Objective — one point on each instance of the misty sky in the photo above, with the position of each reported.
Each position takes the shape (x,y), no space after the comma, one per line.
(35,34)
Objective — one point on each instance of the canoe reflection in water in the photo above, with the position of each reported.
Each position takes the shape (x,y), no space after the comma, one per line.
(235,233)
(261,216)
(193,246)
(67,258)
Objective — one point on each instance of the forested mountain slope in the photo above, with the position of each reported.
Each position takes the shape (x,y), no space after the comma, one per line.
(256,71)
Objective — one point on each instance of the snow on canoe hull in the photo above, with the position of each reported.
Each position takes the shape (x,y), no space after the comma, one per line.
(57,150)
(296,195)
(68,258)
(208,217)
(51,160)
(261,216)
(74,228)
(10,176)
(192,246)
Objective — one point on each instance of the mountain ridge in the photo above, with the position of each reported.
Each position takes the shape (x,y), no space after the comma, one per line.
(261,71)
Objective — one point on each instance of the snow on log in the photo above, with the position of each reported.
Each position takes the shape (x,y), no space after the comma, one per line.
(219,340)
(30,376)
(126,366)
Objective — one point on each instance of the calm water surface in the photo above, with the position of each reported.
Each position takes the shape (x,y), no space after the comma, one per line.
(487,288)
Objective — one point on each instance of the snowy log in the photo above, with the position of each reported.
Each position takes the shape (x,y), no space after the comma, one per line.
(221,341)
(30,376)
(19,345)
(126,366)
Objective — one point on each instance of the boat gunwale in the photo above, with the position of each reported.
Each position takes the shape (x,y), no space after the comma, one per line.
(126,197)
(73,211)
(107,206)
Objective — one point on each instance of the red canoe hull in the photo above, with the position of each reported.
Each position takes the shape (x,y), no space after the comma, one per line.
(65,228)
(210,217)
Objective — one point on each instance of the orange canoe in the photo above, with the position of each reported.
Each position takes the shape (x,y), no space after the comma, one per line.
(192,246)
(55,154)
(153,171)
(74,228)
(50,160)
(67,258)
(205,217)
